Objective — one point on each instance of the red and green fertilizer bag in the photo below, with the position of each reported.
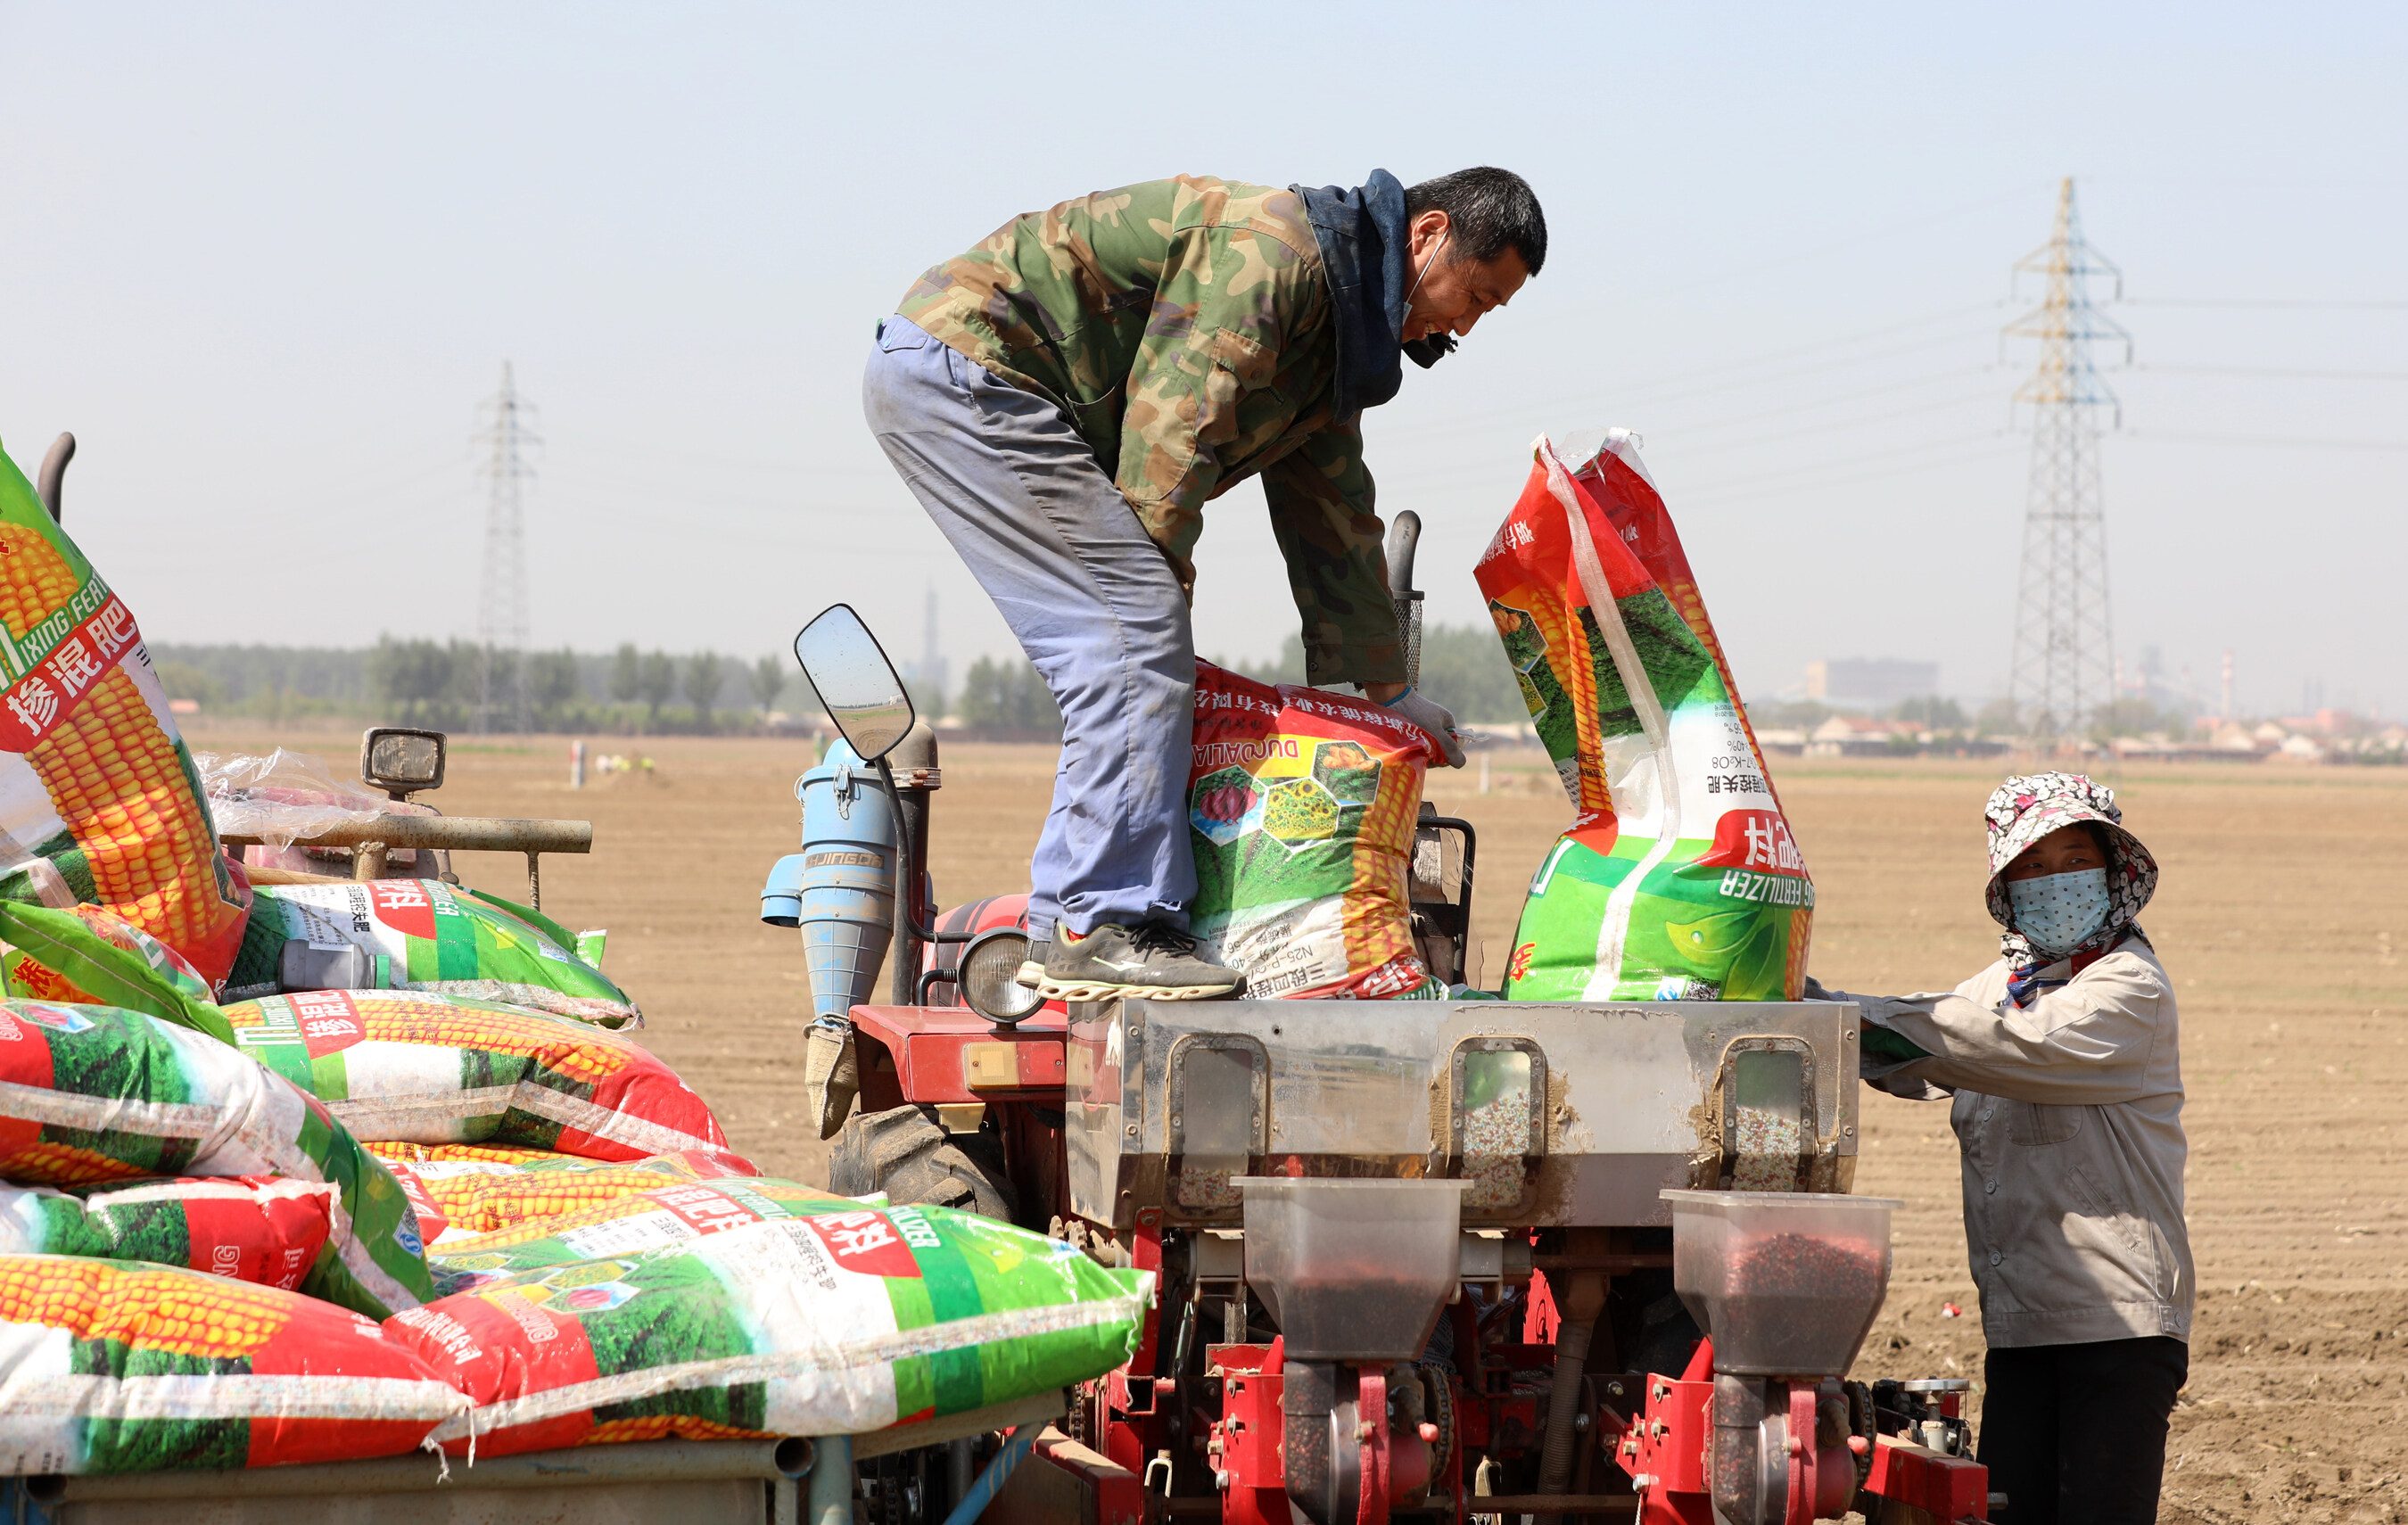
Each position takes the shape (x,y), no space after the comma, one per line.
(91,1094)
(1678,879)
(109,1368)
(665,1213)
(1300,808)
(256,1229)
(99,800)
(465,1191)
(423,934)
(429,1069)
(25,974)
(839,1320)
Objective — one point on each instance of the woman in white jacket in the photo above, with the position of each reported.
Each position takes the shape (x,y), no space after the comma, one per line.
(2063,1057)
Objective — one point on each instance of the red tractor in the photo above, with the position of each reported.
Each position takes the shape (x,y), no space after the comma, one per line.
(1416,1259)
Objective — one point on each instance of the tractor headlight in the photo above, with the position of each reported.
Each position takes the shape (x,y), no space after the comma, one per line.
(990,976)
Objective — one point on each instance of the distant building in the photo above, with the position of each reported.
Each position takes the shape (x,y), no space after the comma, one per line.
(1869,682)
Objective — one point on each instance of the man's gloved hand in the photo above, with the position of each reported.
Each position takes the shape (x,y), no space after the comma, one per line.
(831,1075)
(1814,991)
(1433,718)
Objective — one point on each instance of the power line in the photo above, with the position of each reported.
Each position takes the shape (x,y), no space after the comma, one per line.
(1818,404)
(1797,469)
(2267,441)
(1832,426)
(1721,378)
(1706,499)
(2275,374)
(2281,303)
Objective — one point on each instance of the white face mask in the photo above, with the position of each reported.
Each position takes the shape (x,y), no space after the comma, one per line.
(2059,913)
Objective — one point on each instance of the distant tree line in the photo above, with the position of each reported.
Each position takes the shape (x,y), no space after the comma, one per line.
(630,690)
(443,685)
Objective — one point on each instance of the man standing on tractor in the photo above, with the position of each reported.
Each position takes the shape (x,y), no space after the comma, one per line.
(1065,396)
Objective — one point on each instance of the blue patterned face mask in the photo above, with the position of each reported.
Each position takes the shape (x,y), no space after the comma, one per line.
(2059,913)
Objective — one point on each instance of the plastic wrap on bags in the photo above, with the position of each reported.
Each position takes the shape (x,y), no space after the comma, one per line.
(286,797)
(1678,879)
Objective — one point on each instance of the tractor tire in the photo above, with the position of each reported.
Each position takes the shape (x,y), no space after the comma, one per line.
(906,1153)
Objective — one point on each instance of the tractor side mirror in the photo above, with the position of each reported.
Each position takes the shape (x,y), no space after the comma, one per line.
(863,694)
(402,760)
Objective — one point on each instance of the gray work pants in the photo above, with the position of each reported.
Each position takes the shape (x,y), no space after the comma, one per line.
(1093,603)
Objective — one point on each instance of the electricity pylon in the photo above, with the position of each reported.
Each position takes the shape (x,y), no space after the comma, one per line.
(2064,645)
(507,442)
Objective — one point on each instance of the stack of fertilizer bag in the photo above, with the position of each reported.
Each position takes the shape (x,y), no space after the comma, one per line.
(1678,878)
(545,1240)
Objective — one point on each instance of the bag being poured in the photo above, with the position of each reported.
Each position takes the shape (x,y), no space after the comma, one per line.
(1678,879)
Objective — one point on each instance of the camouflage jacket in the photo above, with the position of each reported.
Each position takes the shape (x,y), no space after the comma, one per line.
(1184,327)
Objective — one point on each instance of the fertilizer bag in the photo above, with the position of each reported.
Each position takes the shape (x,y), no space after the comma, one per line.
(839,1321)
(465,1190)
(422,934)
(92,1094)
(257,1229)
(99,801)
(172,986)
(666,1211)
(109,1368)
(1301,808)
(429,1069)
(1678,879)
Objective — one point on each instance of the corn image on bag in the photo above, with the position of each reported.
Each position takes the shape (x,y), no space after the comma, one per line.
(429,1069)
(26,974)
(462,1197)
(94,779)
(256,1229)
(91,1094)
(1678,878)
(1300,808)
(109,1368)
(839,1321)
(423,934)
(665,1213)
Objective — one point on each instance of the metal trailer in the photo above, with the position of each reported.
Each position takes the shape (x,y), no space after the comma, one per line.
(797,1481)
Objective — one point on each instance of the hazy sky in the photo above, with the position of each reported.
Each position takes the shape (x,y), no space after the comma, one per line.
(265,260)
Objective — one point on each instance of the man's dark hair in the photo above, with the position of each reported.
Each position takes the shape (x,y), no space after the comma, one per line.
(1488,210)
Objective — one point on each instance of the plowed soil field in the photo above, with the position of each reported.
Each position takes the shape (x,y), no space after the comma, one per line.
(2282,916)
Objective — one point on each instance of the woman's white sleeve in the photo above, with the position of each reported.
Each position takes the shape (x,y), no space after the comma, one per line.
(2086,1044)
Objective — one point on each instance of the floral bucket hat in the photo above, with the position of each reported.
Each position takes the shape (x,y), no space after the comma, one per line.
(2028,807)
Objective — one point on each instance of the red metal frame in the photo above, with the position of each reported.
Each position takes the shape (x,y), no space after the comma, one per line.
(945,1053)
(1663,1446)
(1945,1488)
(1142,1434)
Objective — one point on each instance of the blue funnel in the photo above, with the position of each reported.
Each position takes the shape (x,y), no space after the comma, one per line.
(839,889)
